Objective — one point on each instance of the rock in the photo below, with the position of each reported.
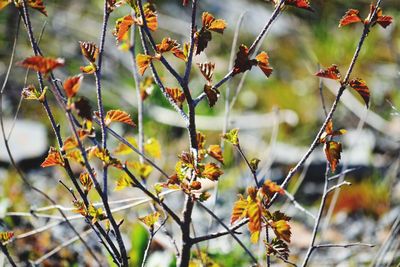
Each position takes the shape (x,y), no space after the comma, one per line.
(28,140)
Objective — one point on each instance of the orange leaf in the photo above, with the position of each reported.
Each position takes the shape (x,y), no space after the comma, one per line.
(362,89)
(282,230)
(242,61)
(122,26)
(270,188)
(120,116)
(207,69)
(72,85)
(263,63)
(143,62)
(38,5)
(254,212)
(330,73)
(332,152)
(151,19)
(4,3)
(215,151)
(212,24)
(239,210)
(195,185)
(89,51)
(330,132)
(41,64)
(53,158)
(212,171)
(69,143)
(177,95)
(351,16)
(166,45)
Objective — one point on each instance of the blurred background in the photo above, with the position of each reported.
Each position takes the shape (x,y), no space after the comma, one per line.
(278,119)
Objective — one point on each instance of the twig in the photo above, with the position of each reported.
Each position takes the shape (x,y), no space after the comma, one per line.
(61,246)
(344,245)
(7,254)
(298,205)
(254,259)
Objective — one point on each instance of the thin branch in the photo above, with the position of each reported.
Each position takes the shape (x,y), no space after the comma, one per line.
(344,245)
(192,44)
(298,205)
(7,254)
(231,232)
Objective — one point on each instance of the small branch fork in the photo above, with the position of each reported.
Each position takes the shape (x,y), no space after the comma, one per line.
(120,257)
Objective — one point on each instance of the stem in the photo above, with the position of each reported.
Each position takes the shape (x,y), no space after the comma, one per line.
(7,254)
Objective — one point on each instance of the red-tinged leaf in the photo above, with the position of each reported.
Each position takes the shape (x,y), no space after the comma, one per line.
(330,73)
(303,4)
(143,62)
(195,185)
(83,108)
(362,89)
(239,210)
(185,2)
(6,236)
(263,63)
(333,152)
(207,69)
(41,64)
(210,23)
(212,171)
(122,26)
(215,151)
(53,158)
(351,16)
(242,61)
(86,181)
(118,116)
(31,93)
(383,21)
(38,5)
(202,39)
(212,94)
(270,188)
(282,230)
(277,247)
(72,85)
(89,51)
(254,213)
(177,95)
(4,3)
(329,131)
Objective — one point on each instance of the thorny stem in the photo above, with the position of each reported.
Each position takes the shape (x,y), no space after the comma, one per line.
(104,195)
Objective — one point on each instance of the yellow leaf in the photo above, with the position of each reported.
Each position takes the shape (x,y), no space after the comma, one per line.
(142,169)
(150,219)
(232,137)
(282,230)
(4,3)
(212,171)
(123,149)
(333,152)
(239,210)
(153,148)
(123,182)
(6,236)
